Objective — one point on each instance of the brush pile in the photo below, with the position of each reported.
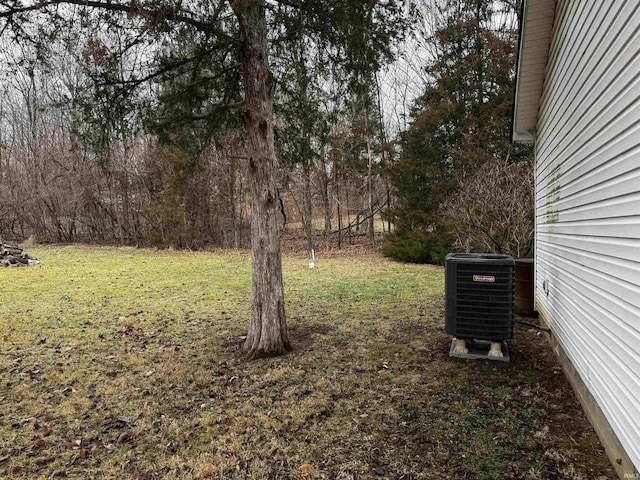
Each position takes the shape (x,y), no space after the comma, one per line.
(14,256)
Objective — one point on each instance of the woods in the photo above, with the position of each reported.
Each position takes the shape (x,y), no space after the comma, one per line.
(145,125)
(229,124)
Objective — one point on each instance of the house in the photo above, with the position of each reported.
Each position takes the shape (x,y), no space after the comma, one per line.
(578,100)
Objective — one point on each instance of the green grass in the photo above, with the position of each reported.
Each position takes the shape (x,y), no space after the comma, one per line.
(118,363)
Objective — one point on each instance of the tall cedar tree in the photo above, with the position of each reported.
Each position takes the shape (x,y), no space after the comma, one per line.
(460,122)
(356,36)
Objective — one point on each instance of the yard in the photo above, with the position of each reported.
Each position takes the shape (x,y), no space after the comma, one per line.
(117,363)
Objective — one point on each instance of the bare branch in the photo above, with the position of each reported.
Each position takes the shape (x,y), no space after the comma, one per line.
(132,8)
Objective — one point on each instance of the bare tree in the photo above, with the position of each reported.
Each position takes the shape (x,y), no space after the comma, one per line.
(492,210)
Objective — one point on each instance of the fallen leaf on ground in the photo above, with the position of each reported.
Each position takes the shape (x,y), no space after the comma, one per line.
(208,472)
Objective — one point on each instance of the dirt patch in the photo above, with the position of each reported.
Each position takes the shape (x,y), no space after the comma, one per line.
(302,336)
(293,243)
(568,426)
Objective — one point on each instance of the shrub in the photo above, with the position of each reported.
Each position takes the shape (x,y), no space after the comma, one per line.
(492,210)
(419,247)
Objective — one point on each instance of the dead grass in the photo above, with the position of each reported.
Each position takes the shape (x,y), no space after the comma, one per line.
(124,364)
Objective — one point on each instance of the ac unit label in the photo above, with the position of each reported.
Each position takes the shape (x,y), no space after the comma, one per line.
(484,278)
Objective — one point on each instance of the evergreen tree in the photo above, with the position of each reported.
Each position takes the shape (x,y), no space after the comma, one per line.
(461,121)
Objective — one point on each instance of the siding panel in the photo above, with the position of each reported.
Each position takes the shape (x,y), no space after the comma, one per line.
(588,204)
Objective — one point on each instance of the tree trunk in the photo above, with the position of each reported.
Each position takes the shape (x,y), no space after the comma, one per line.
(348,215)
(386,161)
(339,201)
(233,202)
(388,206)
(370,231)
(307,205)
(267,329)
(326,201)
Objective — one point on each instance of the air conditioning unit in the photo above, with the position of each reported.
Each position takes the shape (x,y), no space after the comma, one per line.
(479,296)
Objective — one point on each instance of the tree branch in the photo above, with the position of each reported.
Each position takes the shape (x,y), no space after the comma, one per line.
(217,110)
(359,220)
(288,3)
(132,8)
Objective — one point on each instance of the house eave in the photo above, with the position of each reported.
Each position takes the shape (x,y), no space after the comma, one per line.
(536,30)
(523,137)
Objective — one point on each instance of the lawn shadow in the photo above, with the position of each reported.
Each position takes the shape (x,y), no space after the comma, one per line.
(303,337)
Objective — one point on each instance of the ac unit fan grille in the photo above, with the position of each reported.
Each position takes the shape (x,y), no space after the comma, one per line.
(482,303)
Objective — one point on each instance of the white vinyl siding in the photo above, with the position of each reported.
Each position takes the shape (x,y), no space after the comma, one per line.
(588,203)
